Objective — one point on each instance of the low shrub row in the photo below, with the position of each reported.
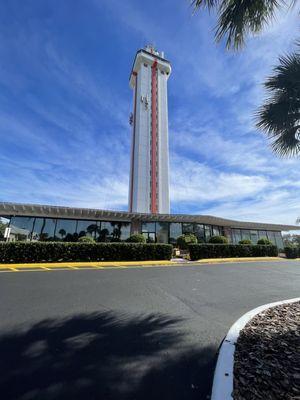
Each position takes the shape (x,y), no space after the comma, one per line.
(292,252)
(199,251)
(17,252)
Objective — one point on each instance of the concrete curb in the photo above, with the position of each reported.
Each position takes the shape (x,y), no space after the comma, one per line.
(223,376)
(88,263)
(238,260)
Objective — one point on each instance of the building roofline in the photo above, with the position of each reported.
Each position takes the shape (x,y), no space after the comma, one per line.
(39,210)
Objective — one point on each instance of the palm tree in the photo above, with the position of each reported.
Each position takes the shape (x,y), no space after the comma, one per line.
(62,232)
(237,18)
(279,116)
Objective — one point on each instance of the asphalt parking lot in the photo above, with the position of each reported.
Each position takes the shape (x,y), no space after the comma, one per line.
(140,333)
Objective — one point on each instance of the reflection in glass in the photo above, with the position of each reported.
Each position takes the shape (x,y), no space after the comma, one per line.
(245,234)
(4,222)
(148,226)
(66,230)
(199,232)
(162,232)
(188,228)
(279,241)
(105,230)
(254,237)
(215,231)
(44,229)
(237,236)
(207,229)
(87,228)
(271,237)
(262,234)
(175,231)
(120,231)
(21,228)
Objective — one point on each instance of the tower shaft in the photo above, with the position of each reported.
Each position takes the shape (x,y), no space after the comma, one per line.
(149,175)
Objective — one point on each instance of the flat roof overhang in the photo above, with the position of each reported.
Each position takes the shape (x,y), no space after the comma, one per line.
(37,210)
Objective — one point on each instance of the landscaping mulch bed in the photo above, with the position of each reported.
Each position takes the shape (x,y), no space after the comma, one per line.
(267,356)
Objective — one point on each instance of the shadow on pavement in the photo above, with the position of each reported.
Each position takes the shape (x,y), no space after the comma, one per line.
(103,356)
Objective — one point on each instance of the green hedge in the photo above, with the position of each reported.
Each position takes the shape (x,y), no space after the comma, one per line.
(292,252)
(20,252)
(199,251)
(183,241)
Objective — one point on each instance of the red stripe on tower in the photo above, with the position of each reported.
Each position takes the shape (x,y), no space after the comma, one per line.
(133,142)
(154,137)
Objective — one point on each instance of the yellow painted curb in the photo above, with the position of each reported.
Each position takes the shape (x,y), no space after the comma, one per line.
(238,259)
(86,264)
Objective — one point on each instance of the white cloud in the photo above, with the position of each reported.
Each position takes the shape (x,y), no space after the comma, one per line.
(194,182)
(276,207)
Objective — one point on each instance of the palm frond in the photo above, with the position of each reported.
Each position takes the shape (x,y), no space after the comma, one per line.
(205,3)
(237,18)
(240,17)
(279,117)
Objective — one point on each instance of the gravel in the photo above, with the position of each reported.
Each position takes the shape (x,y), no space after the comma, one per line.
(267,356)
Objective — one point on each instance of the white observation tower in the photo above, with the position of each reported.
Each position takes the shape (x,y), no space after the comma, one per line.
(149,172)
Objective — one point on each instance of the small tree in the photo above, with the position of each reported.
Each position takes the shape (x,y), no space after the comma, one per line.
(218,240)
(183,241)
(136,238)
(245,241)
(264,241)
(86,239)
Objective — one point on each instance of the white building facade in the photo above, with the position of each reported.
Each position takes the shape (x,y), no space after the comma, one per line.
(149,172)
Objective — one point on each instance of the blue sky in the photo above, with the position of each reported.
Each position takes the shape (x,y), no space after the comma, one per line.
(65,102)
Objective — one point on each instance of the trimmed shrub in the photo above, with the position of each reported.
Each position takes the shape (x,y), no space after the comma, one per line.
(185,240)
(22,252)
(86,239)
(136,238)
(265,241)
(245,241)
(199,251)
(218,239)
(292,252)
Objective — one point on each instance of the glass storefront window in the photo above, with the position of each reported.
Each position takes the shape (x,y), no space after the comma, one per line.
(44,229)
(121,231)
(215,231)
(237,236)
(245,234)
(271,237)
(199,232)
(125,230)
(113,231)
(21,228)
(175,231)
(253,236)
(207,229)
(262,234)
(105,232)
(187,228)
(4,222)
(162,232)
(279,241)
(87,228)
(66,230)
(148,226)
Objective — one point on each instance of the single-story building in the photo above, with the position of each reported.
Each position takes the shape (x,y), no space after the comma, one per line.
(34,222)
